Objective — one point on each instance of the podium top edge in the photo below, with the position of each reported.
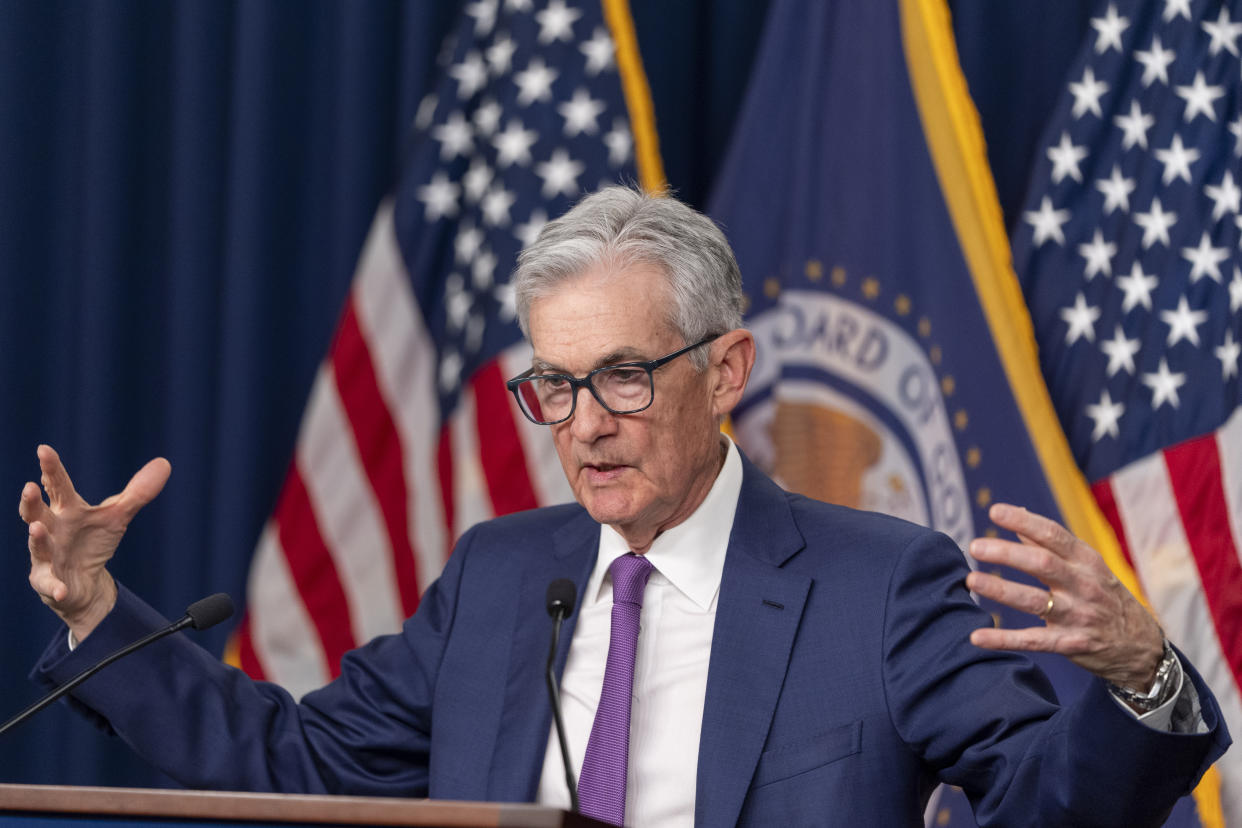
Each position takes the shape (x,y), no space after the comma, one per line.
(281,808)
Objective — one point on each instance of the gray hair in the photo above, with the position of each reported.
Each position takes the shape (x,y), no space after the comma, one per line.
(619,227)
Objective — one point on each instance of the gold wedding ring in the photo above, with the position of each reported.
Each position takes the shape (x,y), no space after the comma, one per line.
(1043,616)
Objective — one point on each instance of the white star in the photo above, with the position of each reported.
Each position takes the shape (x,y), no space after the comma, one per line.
(1224,33)
(1135,126)
(440,197)
(1138,287)
(1177,160)
(580,113)
(1235,290)
(1205,259)
(477,179)
(556,22)
(508,301)
(1099,255)
(467,242)
(513,145)
(1120,352)
(1105,415)
(1183,323)
(560,174)
(1116,189)
(528,232)
(484,14)
(455,137)
(598,52)
(487,118)
(450,371)
(619,143)
(1087,94)
(483,269)
(470,74)
(1227,197)
(1164,385)
(457,301)
(1065,157)
(1235,129)
(500,55)
(1109,29)
(518,5)
(1047,222)
(1200,98)
(535,82)
(1155,62)
(1155,224)
(496,206)
(1176,8)
(1228,356)
(1081,320)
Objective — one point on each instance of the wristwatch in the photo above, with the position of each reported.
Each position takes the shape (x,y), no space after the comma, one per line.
(1161,689)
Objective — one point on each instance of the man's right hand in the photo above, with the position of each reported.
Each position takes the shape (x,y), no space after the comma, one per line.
(72,541)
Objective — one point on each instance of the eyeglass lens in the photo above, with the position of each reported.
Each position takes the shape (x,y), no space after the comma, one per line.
(547,399)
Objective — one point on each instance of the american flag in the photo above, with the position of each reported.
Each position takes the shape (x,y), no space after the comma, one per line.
(409,436)
(1130,256)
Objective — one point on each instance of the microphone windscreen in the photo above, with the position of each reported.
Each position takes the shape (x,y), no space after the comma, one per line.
(209,611)
(561,596)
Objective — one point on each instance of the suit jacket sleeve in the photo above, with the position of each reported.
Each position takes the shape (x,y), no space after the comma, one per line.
(210,726)
(998,732)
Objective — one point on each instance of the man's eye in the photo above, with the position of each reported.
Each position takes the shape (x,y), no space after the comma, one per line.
(554,383)
(625,376)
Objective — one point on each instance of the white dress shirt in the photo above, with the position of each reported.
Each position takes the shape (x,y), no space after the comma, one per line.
(670,675)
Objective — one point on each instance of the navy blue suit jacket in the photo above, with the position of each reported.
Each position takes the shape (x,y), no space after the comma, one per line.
(841,687)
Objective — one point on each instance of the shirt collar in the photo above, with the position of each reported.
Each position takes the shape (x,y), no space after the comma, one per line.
(691,554)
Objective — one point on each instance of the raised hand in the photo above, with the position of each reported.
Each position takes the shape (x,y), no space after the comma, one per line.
(1088,615)
(72,541)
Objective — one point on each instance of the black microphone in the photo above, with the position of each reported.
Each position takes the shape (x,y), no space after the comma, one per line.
(204,613)
(561,594)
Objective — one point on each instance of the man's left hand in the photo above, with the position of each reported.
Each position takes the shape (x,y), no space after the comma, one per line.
(1089,616)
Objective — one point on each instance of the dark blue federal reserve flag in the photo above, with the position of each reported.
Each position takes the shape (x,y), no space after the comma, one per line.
(897,368)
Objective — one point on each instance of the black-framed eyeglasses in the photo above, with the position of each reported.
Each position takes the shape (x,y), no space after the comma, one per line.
(624,388)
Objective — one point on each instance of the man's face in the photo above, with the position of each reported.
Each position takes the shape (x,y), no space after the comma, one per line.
(644,472)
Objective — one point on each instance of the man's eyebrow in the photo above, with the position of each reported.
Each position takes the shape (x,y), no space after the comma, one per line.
(613,358)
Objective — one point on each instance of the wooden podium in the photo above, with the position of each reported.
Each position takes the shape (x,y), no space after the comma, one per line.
(51,806)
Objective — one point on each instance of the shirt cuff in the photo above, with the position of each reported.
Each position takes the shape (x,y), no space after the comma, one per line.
(1180,714)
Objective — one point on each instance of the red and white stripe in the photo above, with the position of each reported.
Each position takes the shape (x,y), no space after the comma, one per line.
(379,488)
(1177,514)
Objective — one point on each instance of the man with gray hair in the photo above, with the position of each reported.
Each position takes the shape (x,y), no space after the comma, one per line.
(741,655)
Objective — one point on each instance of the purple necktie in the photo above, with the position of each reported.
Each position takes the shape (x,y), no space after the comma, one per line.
(601,790)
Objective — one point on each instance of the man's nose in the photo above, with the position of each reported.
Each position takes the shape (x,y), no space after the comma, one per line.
(590,420)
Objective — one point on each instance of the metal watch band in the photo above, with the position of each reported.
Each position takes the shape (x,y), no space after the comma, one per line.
(1161,689)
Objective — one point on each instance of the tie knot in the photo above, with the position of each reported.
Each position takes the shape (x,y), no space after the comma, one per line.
(629,578)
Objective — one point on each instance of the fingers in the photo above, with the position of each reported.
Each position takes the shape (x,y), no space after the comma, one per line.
(1035,561)
(42,574)
(1029,639)
(1035,529)
(1021,597)
(144,486)
(56,481)
(31,506)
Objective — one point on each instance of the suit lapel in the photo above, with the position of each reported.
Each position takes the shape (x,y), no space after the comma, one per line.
(757,617)
(527,714)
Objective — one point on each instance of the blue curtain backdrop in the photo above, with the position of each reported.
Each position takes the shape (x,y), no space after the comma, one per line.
(184,189)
